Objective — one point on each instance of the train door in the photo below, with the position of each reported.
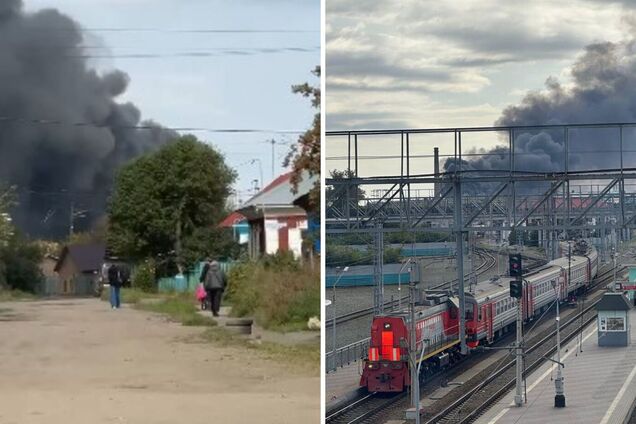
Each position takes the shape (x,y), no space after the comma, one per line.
(489,320)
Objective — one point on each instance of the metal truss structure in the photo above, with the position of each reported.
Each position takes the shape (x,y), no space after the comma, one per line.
(559,204)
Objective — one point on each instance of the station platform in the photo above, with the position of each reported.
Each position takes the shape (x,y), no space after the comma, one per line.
(342,383)
(600,387)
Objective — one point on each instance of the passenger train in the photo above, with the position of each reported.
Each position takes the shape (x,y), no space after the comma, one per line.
(490,313)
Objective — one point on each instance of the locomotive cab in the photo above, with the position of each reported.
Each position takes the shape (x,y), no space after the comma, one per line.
(385,369)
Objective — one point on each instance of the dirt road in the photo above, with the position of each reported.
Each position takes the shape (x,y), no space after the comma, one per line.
(76,361)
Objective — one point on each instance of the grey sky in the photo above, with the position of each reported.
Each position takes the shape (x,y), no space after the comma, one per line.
(431,63)
(222,91)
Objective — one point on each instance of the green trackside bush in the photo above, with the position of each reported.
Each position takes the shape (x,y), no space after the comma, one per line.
(144,277)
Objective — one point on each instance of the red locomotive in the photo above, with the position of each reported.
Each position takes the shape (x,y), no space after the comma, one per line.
(490,313)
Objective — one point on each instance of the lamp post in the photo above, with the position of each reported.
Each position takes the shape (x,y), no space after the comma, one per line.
(333,305)
(559,397)
(400,282)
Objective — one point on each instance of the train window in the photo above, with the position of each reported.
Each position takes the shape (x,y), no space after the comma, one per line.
(453,313)
(479,316)
(469,314)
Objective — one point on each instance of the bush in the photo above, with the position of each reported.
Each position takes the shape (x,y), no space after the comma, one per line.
(20,261)
(281,296)
(144,277)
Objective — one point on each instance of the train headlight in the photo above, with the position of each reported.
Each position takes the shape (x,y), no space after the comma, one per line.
(387,325)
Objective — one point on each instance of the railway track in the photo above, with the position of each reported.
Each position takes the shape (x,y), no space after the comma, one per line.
(476,400)
(362,408)
(489,261)
(477,397)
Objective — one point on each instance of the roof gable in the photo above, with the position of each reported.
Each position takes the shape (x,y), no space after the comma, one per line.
(280,191)
(232,219)
(613,302)
(87,257)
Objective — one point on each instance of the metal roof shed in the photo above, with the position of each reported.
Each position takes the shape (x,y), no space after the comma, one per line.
(613,320)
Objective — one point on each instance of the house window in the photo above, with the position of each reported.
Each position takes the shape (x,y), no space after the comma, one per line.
(616,324)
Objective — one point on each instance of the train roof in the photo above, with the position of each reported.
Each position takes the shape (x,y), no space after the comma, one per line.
(420,310)
(491,287)
(563,262)
(498,285)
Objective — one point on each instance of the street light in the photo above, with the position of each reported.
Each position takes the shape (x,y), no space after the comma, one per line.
(333,303)
(559,397)
(400,283)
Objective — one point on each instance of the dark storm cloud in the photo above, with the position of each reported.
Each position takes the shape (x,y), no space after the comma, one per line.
(57,84)
(603,90)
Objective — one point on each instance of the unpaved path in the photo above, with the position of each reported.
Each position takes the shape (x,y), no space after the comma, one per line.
(76,361)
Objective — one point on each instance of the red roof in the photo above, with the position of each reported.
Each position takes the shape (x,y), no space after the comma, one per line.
(231,219)
(276,182)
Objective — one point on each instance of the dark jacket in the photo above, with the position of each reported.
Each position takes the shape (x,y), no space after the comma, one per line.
(212,276)
(114,276)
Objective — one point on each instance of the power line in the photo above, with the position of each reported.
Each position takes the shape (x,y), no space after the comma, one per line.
(190,54)
(36,121)
(176,30)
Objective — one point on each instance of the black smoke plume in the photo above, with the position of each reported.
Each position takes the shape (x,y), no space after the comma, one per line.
(603,90)
(44,75)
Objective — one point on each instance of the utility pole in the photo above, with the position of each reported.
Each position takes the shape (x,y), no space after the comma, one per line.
(378,271)
(559,397)
(519,360)
(273,143)
(414,411)
(516,291)
(72,215)
(460,266)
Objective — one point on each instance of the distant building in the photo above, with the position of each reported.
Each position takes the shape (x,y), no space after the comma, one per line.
(79,267)
(275,223)
(239,225)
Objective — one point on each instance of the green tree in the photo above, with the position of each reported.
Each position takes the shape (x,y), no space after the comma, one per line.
(20,261)
(164,201)
(305,155)
(7,201)
(336,196)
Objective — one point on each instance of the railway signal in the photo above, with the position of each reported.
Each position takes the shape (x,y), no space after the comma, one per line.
(516,288)
(514,262)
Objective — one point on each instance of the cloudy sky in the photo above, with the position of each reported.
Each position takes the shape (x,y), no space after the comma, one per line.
(421,63)
(217,89)
(402,63)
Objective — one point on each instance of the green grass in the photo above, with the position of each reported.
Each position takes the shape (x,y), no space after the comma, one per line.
(179,308)
(12,295)
(303,357)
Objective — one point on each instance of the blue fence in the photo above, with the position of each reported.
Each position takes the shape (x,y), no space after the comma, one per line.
(189,281)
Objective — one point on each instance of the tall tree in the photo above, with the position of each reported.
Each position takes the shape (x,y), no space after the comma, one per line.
(305,155)
(164,201)
(7,201)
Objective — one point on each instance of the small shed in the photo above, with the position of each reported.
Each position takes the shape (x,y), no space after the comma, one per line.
(79,268)
(613,320)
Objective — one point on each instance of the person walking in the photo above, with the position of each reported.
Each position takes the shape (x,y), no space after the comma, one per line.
(115,282)
(214,280)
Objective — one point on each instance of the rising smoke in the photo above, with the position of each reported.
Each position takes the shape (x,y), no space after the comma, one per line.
(44,75)
(602,90)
